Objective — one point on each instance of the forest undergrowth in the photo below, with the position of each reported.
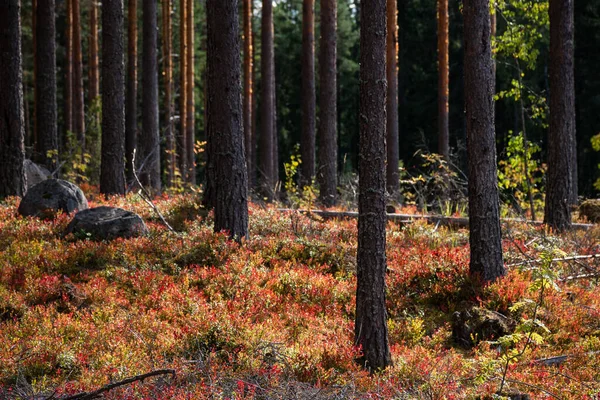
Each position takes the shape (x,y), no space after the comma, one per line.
(273,317)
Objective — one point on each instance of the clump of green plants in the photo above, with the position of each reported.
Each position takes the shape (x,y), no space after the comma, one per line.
(525,191)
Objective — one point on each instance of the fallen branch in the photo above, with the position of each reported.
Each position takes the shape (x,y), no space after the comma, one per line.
(557,360)
(143,193)
(96,393)
(562,259)
(459,222)
(577,277)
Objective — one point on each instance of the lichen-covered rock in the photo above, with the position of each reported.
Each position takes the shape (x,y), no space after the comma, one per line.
(106,223)
(590,209)
(35,173)
(471,326)
(51,196)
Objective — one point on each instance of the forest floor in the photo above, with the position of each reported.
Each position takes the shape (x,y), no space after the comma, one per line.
(273,318)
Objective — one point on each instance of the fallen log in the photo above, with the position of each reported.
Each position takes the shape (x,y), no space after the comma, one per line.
(456,222)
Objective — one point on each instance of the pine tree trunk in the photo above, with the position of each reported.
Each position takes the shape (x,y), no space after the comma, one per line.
(45,85)
(267,106)
(224,112)
(275,173)
(393,145)
(561,187)
(150,141)
(307,140)
(37,153)
(68,111)
(131,97)
(183,60)
(484,216)
(443,78)
(327,151)
(371,332)
(93,72)
(112,170)
(168,76)
(12,119)
(248,93)
(190,113)
(78,104)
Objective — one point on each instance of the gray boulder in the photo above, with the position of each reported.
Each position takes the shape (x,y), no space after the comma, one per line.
(35,173)
(107,223)
(51,196)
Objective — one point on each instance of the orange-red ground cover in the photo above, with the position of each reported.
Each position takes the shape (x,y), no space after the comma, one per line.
(273,317)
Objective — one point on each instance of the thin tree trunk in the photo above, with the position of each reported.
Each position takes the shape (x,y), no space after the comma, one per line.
(131,99)
(484,216)
(327,152)
(69,69)
(248,93)
(267,100)
(45,83)
(254,145)
(275,172)
(112,169)
(168,76)
(78,104)
(150,141)
(183,60)
(93,72)
(224,125)
(393,149)
(370,329)
(562,163)
(443,79)
(12,120)
(525,144)
(29,140)
(37,153)
(309,124)
(190,113)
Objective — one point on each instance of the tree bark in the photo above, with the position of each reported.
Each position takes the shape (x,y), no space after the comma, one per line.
(190,114)
(36,142)
(393,150)
(131,97)
(68,111)
(443,79)
(562,163)
(484,216)
(45,84)
(183,60)
(248,92)
(371,332)
(78,104)
(224,113)
(309,124)
(12,119)
(112,170)
(327,152)
(267,104)
(93,72)
(168,77)
(150,172)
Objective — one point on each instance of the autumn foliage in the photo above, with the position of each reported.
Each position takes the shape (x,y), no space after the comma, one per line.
(273,317)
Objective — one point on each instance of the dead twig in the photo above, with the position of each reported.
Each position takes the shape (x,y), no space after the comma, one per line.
(96,393)
(143,193)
